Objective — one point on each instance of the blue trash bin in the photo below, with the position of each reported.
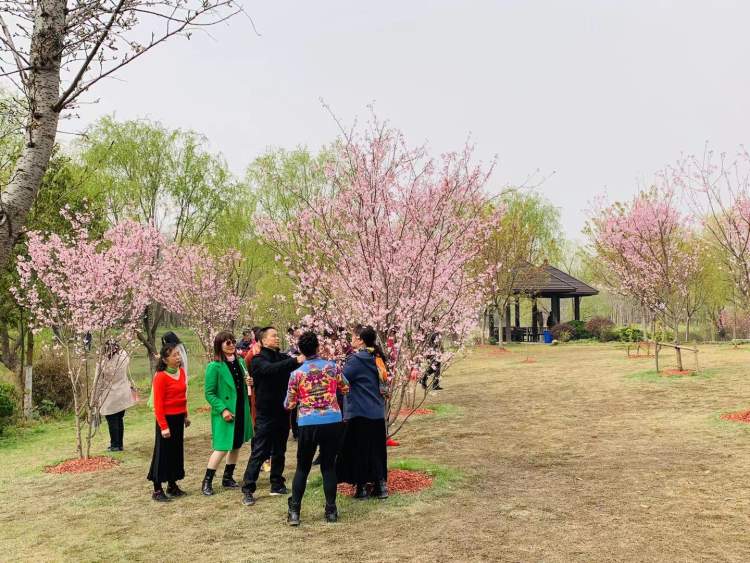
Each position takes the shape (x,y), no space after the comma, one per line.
(547,337)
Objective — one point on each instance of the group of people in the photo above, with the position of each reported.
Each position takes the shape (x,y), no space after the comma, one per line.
(252,388)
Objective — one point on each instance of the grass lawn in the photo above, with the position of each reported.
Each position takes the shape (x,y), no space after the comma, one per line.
(582,455)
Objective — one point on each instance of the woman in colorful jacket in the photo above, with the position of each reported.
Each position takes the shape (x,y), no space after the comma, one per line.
(225,388)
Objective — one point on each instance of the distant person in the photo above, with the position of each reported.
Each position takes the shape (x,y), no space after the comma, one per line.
(363,458)
(312,389)
(245,342)
(550,320)
(118,392)
(225,389)
(270,371)
(170,410)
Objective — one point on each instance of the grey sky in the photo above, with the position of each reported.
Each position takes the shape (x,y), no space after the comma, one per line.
(601,92)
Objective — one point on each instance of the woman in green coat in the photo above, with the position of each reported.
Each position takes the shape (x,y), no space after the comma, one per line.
(225,388)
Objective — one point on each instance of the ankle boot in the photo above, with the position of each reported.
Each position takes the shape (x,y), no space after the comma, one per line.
(293,514)
(227,481)
(381,490)
(331,514)
(361,492)
(207,486)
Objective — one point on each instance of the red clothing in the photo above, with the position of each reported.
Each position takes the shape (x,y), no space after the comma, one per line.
(170,396)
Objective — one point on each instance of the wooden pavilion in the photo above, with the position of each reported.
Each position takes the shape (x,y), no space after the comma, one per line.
(540,282)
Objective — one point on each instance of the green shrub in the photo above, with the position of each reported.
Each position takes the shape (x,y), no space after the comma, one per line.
(574,330)
(630,334)
(492,340)
(8,405)
(51,389)
(609,335)
(581,332)
(663,335)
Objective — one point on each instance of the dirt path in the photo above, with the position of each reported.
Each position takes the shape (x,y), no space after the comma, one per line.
(565,459)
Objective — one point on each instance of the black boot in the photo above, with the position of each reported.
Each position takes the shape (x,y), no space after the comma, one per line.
(227,481)
(381,490)
(332,515)
(293,514)
(174,491)
(207,487)
(361,492)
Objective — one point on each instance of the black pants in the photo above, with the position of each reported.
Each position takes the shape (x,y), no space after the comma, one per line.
(115,423)
(328,437)
(271,435)
(168,461)
(295,426)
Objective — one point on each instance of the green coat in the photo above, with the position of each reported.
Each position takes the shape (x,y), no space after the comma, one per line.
(221,394)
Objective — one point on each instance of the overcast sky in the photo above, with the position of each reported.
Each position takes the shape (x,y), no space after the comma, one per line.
(602,93)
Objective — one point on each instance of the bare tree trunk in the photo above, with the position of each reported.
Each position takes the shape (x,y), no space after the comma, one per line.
(28,375)
(43,94)
(152,318)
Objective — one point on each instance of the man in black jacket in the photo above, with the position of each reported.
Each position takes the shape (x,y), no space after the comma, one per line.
(270,370)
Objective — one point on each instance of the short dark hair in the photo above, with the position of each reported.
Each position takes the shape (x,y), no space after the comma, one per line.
(247,332)
(262,332)
(308,343)
(220,339)
(170,338)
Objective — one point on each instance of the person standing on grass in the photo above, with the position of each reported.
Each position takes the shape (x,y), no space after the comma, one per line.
(270,371)
(118,392)
(170,410)
(172,339)
(312,389)
(363,458)
(225,388)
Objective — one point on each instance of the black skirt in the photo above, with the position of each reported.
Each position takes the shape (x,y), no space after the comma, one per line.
(363,457)
(168,462)
(239,422)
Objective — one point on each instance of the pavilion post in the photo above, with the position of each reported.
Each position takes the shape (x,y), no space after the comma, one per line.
(518,313)
(507,322)
(534,319)
(577,308)
(556,309)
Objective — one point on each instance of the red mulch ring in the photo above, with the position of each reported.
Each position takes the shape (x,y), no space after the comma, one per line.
(528,361)
(741,416)
(415,412)
(204,408)
(83,465)
(399,481)
(677,372)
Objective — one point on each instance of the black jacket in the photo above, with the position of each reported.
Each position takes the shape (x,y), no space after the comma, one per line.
(270,371)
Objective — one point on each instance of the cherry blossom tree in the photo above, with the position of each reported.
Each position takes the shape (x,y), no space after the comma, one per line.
(650,251)
(87,291)
(389,242)
(55,51)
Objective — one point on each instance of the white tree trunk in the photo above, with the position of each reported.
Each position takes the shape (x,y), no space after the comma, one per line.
(43,91)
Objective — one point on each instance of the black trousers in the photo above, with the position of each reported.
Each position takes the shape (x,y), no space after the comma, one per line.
(295,426)
(116,425)
(328,437)
(271,435)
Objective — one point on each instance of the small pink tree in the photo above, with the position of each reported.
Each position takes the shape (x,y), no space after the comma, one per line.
(87,291)
(390,244)
(650,251)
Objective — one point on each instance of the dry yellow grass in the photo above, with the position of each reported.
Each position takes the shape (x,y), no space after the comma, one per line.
(580,456)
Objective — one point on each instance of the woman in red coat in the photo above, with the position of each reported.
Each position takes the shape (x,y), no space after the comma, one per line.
(170,409)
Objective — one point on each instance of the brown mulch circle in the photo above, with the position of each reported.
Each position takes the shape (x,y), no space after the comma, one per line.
(741,416)
(528,361)
(204,408)
(89,465)
(415,412)
(677,372)
(399,481)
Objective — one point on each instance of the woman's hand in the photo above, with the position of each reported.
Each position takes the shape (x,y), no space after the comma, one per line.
(166,433)
(228,417)
(187,422)
(249,381)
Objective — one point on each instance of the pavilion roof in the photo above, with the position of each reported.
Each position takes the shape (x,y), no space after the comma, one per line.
(548,281)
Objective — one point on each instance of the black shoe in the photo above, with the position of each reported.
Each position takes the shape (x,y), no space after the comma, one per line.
(381,490)
(437,388)
(332,515)
(160,496)
(248,499)
(207,487)
(114,449)
(293,513)
(361,493)
(229,483)
(316,461)
(175,491)
(277,490)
